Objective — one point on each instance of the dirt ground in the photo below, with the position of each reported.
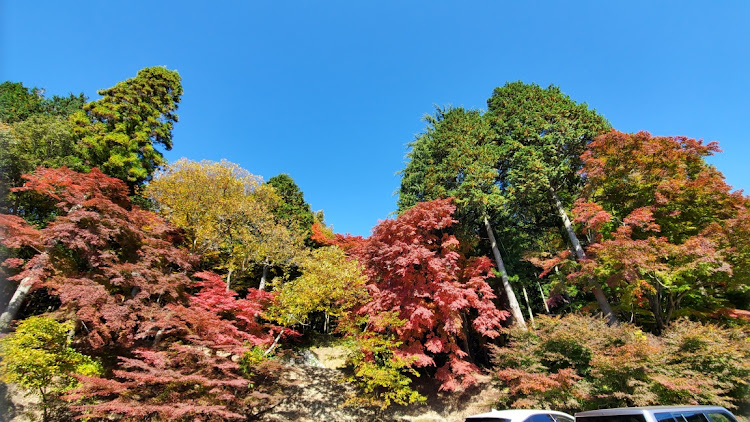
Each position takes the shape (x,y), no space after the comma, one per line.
(320,393)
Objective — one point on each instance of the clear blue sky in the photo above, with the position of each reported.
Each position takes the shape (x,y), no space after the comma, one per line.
(331,92)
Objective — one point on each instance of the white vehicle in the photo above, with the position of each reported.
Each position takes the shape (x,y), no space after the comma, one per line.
(658,414)
(521,415)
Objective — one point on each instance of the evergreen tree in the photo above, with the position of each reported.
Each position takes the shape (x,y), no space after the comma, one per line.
(542,134)
(292,208)
(121,130)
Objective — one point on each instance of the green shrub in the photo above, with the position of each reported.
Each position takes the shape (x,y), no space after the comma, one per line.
(38,358)
(705,363)
(577,362)
(383,377)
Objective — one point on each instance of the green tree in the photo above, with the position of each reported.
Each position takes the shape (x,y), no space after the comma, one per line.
(456,157)
(41,140)
(292,208)
(63,106)
(38,358)
(542,134)
(18,102)
(34,131)
(121,130)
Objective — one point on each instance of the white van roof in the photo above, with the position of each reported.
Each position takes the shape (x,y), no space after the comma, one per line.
(648,409)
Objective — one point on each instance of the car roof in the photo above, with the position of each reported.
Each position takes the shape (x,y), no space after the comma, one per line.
(517,413)
(643,409)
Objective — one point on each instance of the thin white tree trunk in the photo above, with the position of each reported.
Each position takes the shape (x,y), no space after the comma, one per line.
(528,306)
(515,309)
(581,255)
(275,342)
(15,302)
(544,297)
(264,277)
(229,278)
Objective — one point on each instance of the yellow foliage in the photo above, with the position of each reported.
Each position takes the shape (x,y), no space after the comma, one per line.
(330,283)
(226,214)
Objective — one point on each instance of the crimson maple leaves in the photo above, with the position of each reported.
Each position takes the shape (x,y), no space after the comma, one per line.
(120,273)
(112,265)
(417,271)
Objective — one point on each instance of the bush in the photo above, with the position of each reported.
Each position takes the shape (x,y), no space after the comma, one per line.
(577,363)
(383,377)
(38,358)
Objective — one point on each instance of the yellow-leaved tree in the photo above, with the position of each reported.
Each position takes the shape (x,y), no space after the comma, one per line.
(227,215)
(330,285)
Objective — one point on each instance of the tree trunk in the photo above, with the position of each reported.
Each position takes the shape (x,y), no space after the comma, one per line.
(15,303)
(515,309)
(656,309)
(465,338)
(544,298)
(229,278)
(528,306)
(581,255)
(264,277)
(275,342)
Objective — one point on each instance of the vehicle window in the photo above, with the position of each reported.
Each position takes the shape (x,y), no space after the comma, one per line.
(666,417)
(561,418)
(612,418)
(480,419)
(720,417)
(694,417)
(539,418)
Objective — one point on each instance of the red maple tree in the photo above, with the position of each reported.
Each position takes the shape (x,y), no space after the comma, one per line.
(417,271)
(183,346)
(210,369)
(666,228)
(113,265)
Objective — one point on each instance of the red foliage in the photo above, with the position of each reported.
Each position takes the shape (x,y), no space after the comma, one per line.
(549,264)
(643,218)
(591,214)
(119,270)
(243,314)
(72,189)
(415,269)
(16,233)
(198,374)
(521,382)
(111,264)
(346,242)
(184,381)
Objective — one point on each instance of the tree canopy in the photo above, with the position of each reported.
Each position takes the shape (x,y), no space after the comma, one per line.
(541,134)
(228,215)
(663,223)
(121,130)
(18,103)
(292,207)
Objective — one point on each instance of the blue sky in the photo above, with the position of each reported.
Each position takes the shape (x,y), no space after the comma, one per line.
(332,92)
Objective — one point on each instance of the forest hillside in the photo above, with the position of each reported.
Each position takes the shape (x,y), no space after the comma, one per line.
(538,258)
